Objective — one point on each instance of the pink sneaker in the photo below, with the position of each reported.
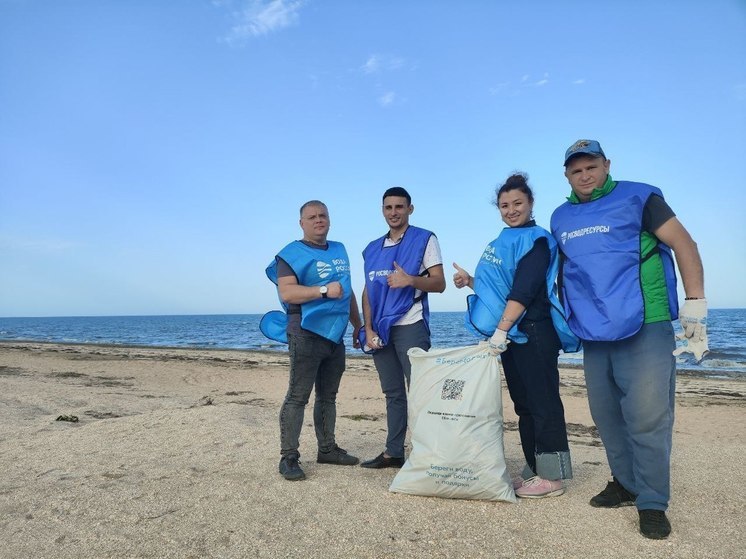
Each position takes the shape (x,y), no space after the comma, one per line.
(537,488)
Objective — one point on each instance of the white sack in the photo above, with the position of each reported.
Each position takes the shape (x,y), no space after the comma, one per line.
(455,416)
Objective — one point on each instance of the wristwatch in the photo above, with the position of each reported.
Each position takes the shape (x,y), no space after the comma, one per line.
(323,290)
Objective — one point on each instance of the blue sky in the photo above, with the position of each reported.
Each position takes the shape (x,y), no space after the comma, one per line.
(154,154)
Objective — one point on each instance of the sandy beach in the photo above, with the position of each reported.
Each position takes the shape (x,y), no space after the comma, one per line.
(175,455)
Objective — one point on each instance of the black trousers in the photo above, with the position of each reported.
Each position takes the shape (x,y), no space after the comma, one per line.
(533,383)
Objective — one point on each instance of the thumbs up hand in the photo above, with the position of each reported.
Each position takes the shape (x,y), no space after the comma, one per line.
(462,278)
(399,278)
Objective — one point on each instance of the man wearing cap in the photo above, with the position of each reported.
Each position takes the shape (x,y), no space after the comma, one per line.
(618,287)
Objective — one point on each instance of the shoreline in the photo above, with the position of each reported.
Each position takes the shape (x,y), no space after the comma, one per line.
(716,374)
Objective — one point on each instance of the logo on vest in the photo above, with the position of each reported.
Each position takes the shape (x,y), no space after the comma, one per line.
(489,256)
(373,274)
(323,269)
(341,265)
(565,236)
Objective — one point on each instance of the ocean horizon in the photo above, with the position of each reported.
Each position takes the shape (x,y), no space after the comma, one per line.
(726,331)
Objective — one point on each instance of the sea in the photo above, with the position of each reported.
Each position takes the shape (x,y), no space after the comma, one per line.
(726,329)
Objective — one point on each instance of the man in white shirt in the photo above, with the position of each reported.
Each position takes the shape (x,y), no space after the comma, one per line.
(401,268)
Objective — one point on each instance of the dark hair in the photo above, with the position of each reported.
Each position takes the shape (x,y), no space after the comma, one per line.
(398,191)
(517,181)
(312,203)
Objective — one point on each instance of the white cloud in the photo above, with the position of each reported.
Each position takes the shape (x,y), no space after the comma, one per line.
(376,65)
(380,62)
(543,81)
(387,98)
(579,81)
(372,65)
(513,88)
(499,88)
(260,17)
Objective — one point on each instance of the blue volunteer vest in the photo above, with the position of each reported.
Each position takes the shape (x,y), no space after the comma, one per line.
(313,266)
(387,306)
(493,280)
(600,239)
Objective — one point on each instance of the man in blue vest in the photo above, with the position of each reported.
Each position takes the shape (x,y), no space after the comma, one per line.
(618,286)
(313,281)
(401,268)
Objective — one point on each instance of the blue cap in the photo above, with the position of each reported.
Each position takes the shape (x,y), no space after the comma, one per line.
(584,147)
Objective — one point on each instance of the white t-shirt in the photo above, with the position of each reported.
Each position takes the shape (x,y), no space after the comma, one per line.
(432,257)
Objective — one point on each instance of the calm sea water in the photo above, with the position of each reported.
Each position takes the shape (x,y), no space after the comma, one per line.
(726,329)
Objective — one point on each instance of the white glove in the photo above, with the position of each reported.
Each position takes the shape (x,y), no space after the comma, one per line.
(693,320)
(374,344)
(499,342)
(698,348)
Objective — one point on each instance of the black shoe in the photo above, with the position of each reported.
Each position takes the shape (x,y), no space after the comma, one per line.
(615,495)
(290,468)
(381,461)
(337,456)
(654,524)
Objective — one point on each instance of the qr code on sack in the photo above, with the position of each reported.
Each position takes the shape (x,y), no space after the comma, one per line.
(452,389)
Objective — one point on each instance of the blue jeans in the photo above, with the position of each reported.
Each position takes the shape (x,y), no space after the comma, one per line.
(631,389)
(313,361)
(394,370)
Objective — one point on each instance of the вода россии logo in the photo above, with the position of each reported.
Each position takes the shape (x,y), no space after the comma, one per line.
(323,269)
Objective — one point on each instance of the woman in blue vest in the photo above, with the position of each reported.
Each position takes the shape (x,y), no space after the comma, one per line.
(515,301)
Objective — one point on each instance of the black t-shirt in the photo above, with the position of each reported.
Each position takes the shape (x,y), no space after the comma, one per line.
(656,213)
(529,283)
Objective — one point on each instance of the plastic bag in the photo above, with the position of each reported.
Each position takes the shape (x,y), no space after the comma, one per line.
(455,417)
